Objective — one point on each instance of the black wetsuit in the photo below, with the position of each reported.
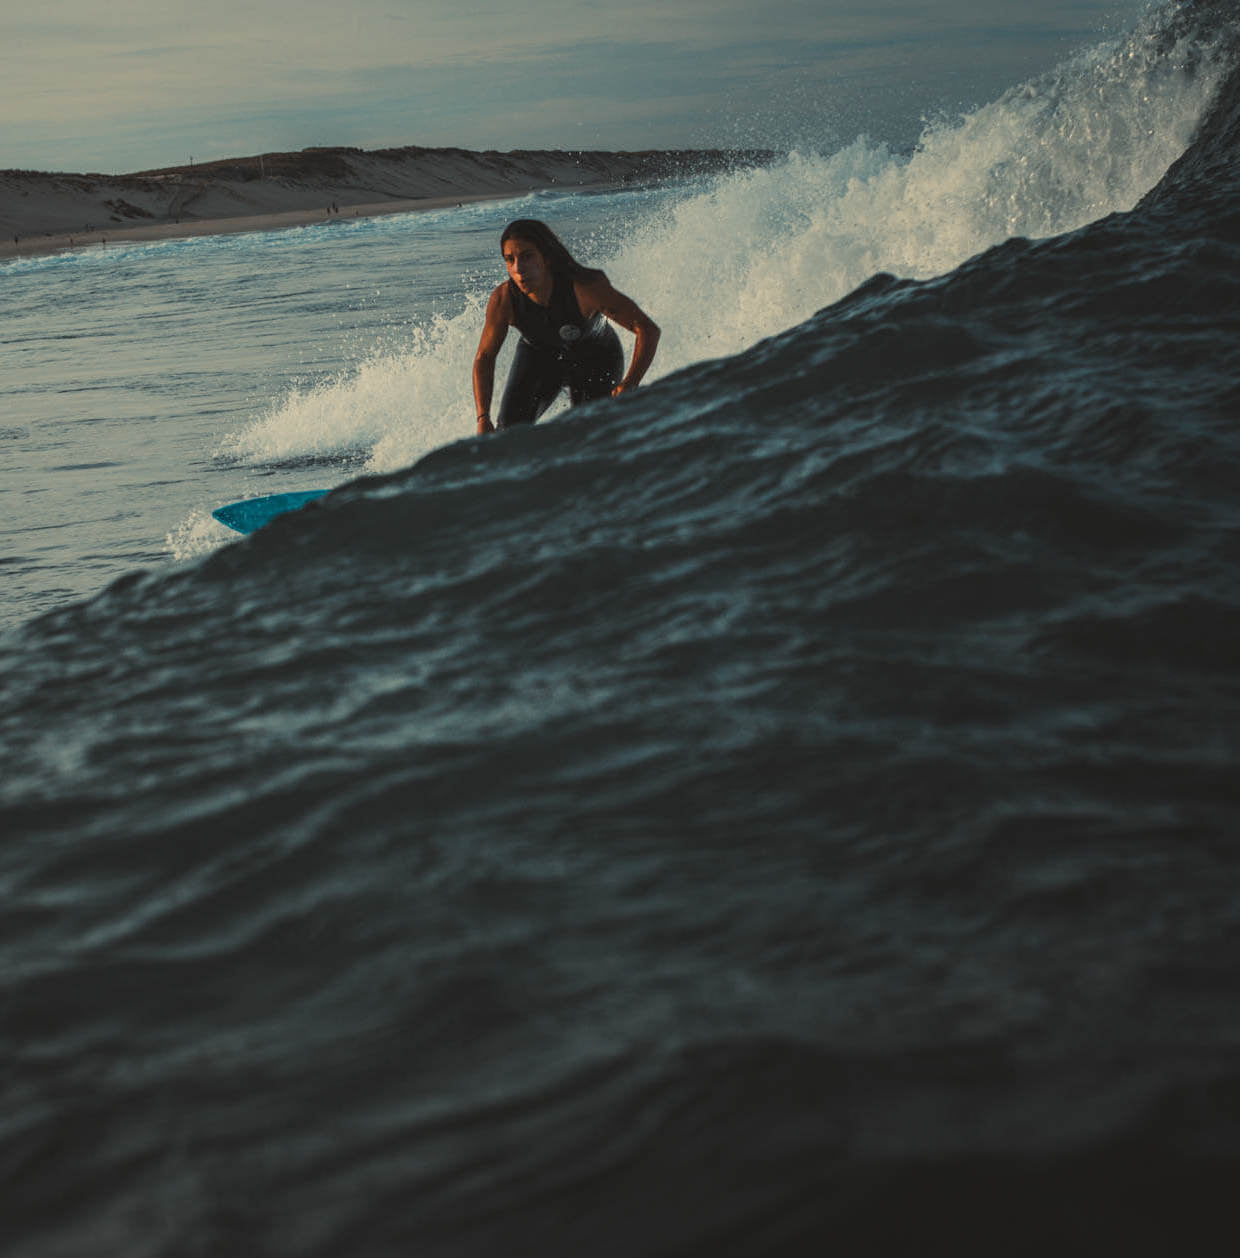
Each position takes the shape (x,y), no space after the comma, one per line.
(559,346)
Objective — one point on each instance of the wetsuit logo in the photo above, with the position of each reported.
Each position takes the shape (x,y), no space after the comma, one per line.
(569,333)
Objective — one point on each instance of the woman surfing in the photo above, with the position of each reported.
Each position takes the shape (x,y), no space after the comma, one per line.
(561,309)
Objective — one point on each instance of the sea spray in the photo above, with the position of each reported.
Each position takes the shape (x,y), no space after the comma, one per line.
(726,262)
(763,249)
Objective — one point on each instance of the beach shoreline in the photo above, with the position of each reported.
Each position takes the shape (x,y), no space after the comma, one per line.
(45,212)
(282,220)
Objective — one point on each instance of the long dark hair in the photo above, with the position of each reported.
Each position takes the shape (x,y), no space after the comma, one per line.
(550,246)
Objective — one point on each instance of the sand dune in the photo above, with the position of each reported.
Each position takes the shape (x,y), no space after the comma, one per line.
(42,211)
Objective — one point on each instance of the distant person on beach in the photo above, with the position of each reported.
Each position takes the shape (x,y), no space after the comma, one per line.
(560,308)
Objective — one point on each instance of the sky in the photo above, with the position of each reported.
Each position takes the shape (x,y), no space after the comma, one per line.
(130,85)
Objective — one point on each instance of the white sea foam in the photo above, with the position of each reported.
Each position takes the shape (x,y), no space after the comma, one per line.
(198,534)
(752,253)
(765,249)
(366,406)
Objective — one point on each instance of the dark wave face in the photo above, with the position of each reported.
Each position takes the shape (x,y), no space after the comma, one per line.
(794,804)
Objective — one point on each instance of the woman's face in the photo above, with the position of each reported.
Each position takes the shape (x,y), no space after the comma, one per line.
(526,265)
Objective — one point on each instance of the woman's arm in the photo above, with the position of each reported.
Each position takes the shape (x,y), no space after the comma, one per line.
(598,295)
(494,332)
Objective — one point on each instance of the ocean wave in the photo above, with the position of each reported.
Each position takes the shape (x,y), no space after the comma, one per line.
(792,801)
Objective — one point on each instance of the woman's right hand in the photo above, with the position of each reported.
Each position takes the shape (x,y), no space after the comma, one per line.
(493,333)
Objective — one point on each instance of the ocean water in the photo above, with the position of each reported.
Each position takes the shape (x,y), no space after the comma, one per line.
(791,806)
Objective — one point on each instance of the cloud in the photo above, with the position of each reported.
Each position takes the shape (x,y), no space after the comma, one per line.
(133,84)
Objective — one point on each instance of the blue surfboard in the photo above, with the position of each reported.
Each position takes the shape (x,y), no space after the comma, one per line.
(252,513)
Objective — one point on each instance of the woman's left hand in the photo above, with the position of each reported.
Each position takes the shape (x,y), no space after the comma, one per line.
(599,295)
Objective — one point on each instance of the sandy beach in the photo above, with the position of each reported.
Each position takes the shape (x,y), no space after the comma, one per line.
(42,212)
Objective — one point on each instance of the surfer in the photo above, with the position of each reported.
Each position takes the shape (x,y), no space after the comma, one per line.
(560,308)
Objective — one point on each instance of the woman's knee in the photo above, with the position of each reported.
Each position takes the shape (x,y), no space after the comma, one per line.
(531,388)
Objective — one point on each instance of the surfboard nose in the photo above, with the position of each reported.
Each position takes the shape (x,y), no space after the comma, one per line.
(252,513)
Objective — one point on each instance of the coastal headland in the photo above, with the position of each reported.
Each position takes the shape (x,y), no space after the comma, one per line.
(43,211)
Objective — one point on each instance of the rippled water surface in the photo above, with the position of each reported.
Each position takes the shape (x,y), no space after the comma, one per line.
(792,804)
